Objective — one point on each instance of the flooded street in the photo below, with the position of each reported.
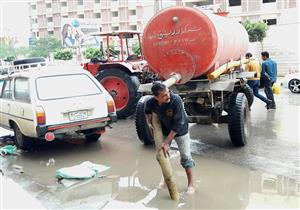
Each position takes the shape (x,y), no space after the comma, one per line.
(263,174)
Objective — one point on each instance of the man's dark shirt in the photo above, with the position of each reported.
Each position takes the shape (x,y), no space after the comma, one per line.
(269,69)
(172,115)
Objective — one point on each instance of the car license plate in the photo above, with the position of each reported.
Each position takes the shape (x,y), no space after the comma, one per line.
(78,115)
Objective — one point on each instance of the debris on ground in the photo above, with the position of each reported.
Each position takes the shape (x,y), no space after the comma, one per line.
(18,169)
(7,139)
(8,150)
(51,162)
(84,170)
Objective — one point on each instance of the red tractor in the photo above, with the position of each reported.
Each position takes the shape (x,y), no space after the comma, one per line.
(121,71)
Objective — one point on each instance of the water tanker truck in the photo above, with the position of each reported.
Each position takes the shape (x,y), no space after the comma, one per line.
(202,52)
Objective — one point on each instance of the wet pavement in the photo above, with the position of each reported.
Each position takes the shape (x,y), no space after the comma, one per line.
(263,174)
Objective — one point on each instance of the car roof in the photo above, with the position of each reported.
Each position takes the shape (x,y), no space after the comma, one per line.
(48,71)
(29,60)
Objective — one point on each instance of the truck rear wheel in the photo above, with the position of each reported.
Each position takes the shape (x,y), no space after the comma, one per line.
(238,119)
(123,88)
(247,90)
(141,125)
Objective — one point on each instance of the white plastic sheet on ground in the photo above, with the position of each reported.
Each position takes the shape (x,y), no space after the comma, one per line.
(84,170)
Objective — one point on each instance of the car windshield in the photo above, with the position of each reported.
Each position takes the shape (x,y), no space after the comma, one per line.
(65,86)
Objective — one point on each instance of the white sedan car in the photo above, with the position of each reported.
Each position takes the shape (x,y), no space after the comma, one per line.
(292,82)
(48,104)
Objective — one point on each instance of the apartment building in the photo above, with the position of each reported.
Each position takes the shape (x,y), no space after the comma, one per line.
(47,16)
(112,15)
(253,10)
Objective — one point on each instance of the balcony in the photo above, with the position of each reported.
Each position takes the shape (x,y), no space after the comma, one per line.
(50,24)
(80,8)
(234,10)
(269,7)
(34,26)
(115,20)
(48,11)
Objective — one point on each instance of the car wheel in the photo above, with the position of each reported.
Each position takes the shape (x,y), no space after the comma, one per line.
(123,88)
(22,141)
(238,119)
(141,125)
(294,85)
(92,137)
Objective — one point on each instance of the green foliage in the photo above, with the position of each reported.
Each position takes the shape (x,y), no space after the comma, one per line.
(7,50)
(63,54)
(136,48)
(42,47)
(92,53)
(23,51)
(256,30)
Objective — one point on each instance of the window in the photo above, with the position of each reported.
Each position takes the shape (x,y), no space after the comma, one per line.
(115,28)
(81,16)
(115,14)
(80,2)
(50,32)
(271,21)
(66,86)
(97,1)
(97,15)
(133,27)
(49,19)
(200,3)
(37,34)
(65,16)
(268,1)
(48,5)
(233,3)
(132,12)
(7,89)
(33,7)
(22,89)
(64,4)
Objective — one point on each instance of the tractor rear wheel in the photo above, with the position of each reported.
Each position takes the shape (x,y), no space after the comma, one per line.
(123,88)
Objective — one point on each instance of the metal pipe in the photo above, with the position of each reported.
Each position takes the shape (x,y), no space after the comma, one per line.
(225,67)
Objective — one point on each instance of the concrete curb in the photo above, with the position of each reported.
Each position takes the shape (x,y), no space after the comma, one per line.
(13,196)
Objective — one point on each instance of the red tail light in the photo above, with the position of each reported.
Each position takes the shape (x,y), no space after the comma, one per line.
(110,106)
(40,116)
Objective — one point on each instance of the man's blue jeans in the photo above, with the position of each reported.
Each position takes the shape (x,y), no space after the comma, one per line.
(254,84)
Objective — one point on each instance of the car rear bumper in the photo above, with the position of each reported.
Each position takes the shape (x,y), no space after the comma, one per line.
(41,130)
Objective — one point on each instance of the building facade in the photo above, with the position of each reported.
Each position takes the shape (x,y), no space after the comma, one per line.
(46,17)
(113,15)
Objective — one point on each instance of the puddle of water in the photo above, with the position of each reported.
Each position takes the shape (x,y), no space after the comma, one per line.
(134,185)
(132,180)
